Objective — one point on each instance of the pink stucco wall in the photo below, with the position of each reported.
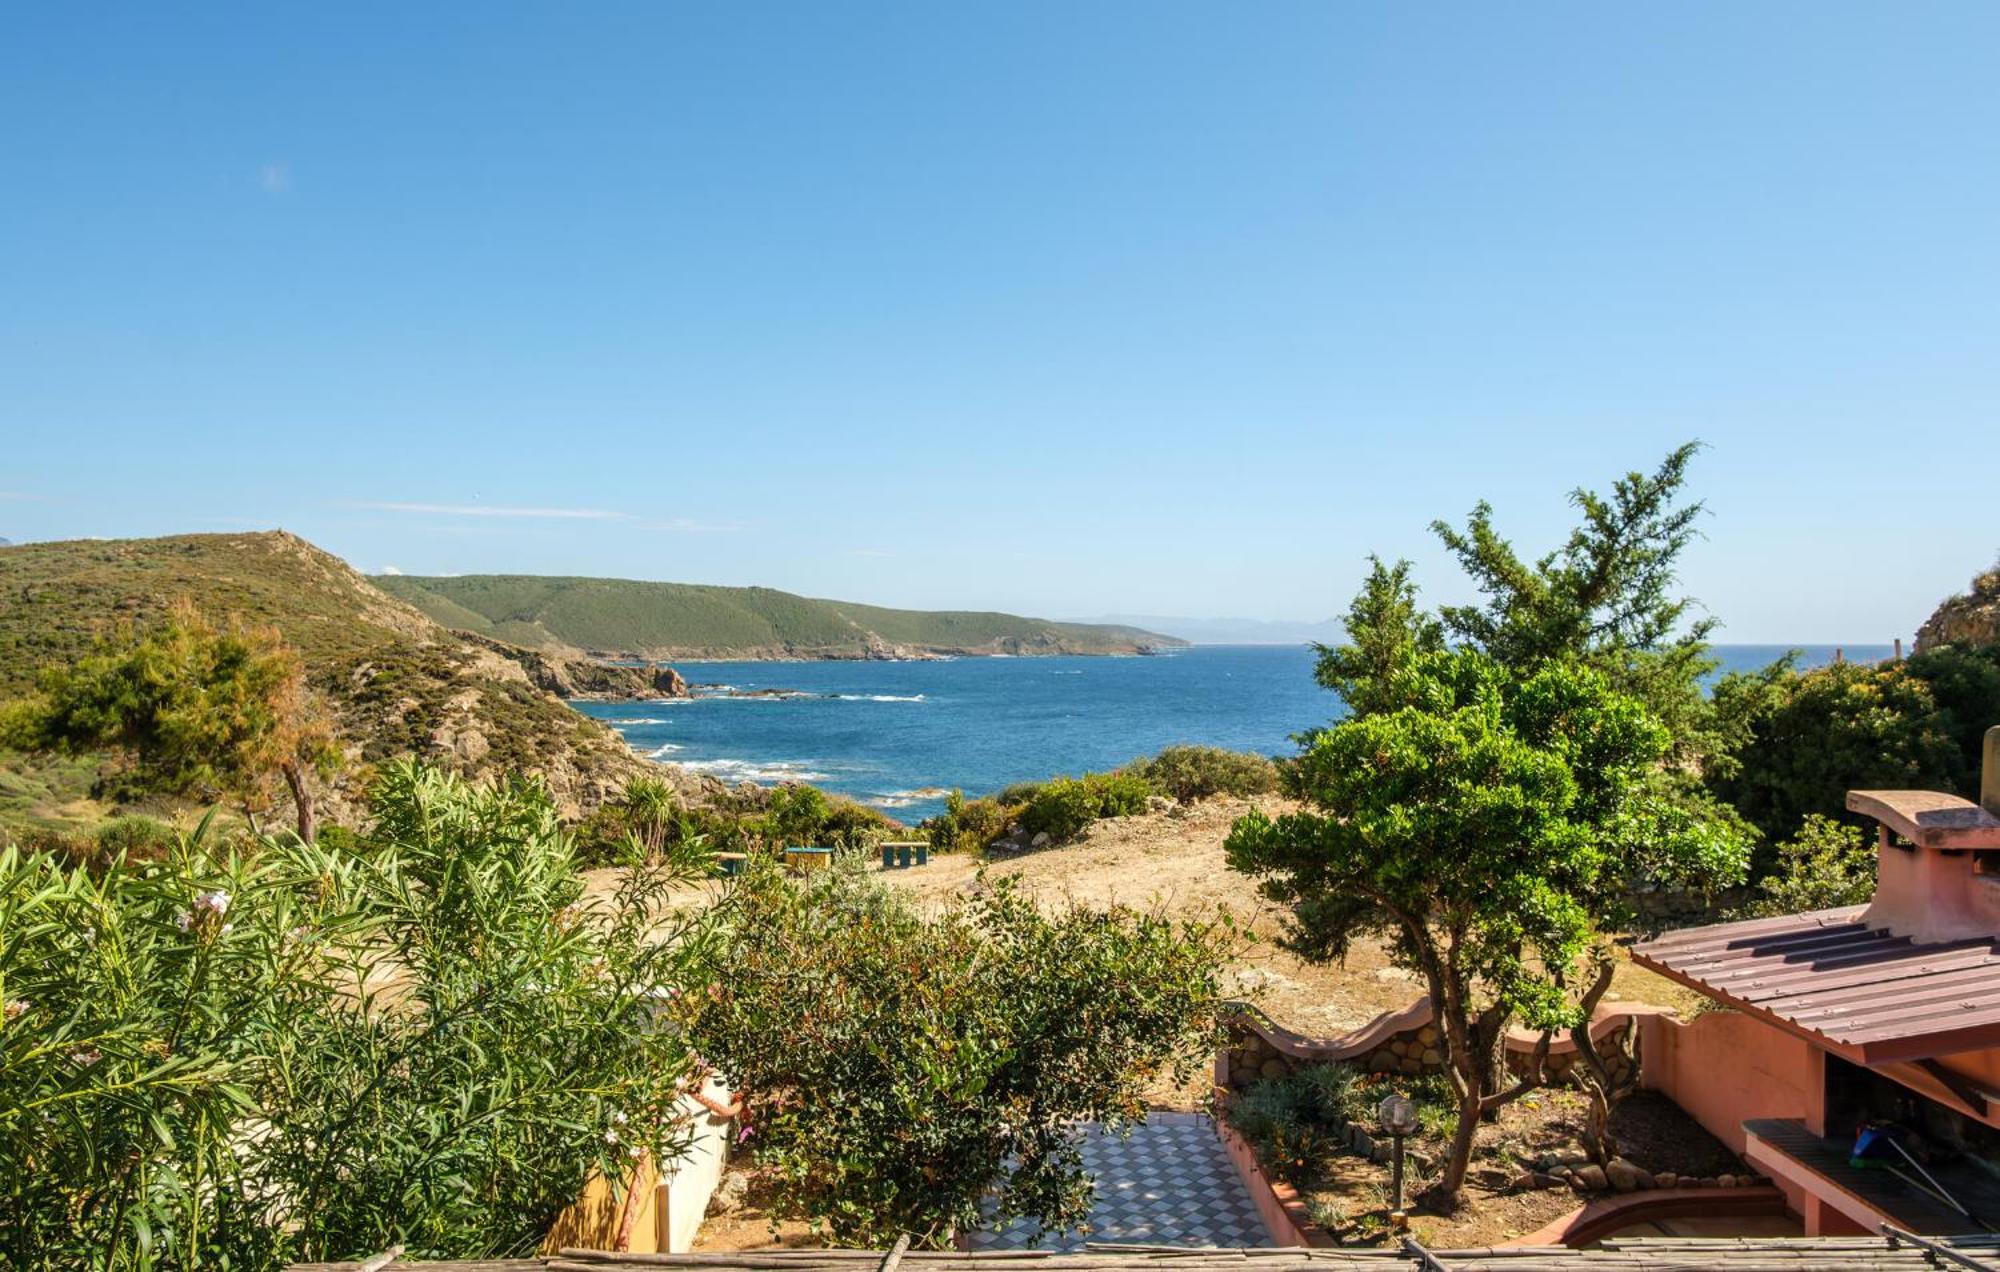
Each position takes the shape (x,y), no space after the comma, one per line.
(1724,1067)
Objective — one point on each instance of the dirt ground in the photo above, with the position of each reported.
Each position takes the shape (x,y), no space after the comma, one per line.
(1536,1130)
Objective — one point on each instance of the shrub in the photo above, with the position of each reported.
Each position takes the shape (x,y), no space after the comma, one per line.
(1804,739)
(1827,864)
(191,1040)
(1118,794)
(1018,793)
(1061,809)
(902,1064)
(967,825)
(1190,773)
(1064,807)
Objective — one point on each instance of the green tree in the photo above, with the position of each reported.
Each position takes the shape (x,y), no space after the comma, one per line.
(1805,739)
(1386,628)
(1607,597)
(901,1065)
(193,708)
(246,1055)
(1489,826)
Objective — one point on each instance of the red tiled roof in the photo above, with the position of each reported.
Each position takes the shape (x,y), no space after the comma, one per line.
(1860,992)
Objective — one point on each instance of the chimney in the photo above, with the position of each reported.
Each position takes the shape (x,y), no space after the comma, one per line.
(1937,865)
(1989,773)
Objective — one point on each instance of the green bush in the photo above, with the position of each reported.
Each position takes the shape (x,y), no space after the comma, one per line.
(1018,793)
(190,1039)
(1064,807)
(1298,1121)
(1190,773)
(903,1065)
(1827,864)
(1802,740)
(1118,794)
(968,825)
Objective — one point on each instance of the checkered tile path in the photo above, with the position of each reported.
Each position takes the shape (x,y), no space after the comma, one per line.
(1167,1183)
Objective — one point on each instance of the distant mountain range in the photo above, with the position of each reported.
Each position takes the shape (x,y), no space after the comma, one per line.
(685,620)
(1234,631)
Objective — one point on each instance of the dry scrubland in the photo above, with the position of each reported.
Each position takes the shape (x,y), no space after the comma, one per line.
(1174,861)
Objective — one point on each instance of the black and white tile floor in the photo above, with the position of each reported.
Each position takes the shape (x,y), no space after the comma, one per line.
(1167,1183)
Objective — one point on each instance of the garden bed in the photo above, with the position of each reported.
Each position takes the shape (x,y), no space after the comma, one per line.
(1311,1132)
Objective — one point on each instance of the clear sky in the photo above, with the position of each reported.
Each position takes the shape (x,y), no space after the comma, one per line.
(1060,308)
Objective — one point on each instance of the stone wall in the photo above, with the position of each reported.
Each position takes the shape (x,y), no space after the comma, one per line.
(1405,1042)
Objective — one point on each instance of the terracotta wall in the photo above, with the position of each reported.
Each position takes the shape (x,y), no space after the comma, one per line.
(1724,1067)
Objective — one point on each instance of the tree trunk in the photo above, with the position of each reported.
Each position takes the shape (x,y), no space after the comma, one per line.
(1600,1086)
(302,798)
(1458,1159)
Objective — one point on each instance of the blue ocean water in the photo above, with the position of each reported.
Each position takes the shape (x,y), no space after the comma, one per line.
(899,735)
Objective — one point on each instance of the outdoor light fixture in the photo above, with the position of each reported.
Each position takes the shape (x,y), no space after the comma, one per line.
(1398,1118)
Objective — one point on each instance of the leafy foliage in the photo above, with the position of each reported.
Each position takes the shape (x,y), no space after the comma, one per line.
(1827,864)
(273,1051)
(968,825)
(899,1064)
(1489,827)
(1299,1121)
(1386,629)
(1064,807)
(197,709)
(1804,739)
(1193,773)
(1605,598)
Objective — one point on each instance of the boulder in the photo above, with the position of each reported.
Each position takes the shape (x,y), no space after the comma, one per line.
(1589,1178)
(729,1193)
(669,683)
(1667,1179)
(1625,1177)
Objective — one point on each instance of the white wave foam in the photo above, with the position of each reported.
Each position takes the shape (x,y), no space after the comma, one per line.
(756,771)
(903,799)
(663,750)
(879,697)
(623,720)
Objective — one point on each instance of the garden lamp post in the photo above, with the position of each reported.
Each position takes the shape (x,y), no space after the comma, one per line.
(1398,1118)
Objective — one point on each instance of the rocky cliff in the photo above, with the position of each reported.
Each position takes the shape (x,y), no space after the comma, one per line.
(1970,619)
(397,682)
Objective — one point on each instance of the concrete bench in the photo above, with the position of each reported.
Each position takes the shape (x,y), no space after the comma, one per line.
(901,854)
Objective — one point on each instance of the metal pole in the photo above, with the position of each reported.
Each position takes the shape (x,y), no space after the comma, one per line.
(1396,1175)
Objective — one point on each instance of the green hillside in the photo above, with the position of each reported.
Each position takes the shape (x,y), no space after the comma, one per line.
(397,681)
(682,620)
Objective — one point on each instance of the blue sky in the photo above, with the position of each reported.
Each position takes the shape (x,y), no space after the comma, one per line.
(1066,309)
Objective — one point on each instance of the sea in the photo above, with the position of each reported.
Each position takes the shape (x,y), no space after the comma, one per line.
(901,735)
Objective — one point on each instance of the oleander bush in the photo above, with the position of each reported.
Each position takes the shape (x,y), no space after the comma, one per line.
(1191,773)
(900,1064)
(245,1053)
